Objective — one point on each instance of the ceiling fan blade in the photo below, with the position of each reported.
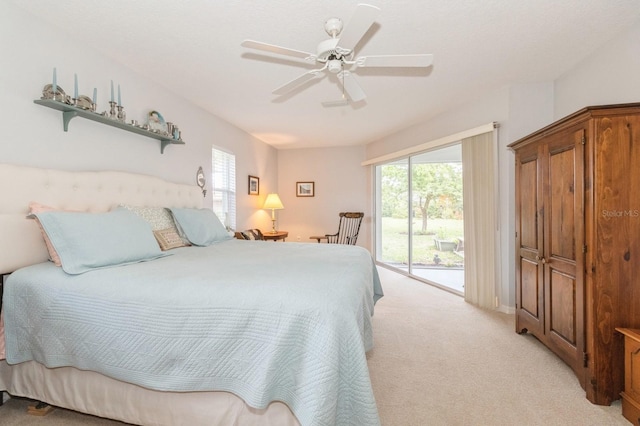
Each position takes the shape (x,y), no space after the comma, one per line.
(341,102)
(362,19)
(351,86)
(419,60)
(252,44)
(286,88)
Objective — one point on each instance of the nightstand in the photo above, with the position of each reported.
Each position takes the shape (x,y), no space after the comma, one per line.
(631,394)
(279,235)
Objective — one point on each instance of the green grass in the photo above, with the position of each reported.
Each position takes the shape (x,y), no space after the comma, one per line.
(395,241)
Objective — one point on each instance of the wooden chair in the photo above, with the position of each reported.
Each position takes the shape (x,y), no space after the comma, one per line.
(348,229)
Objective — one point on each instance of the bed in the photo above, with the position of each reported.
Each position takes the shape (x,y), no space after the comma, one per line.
(226,332)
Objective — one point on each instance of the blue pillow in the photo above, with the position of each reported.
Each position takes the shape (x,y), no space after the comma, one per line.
(86,241)
(201,226)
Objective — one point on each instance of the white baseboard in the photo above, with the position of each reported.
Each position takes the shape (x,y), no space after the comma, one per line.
(506,309)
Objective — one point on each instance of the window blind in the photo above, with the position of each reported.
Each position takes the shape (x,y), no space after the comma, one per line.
(223,170)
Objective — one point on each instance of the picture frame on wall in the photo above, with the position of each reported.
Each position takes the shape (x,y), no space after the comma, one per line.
(305,189)
(254,185)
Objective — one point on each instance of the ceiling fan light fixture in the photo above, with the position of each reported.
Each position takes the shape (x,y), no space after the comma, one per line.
(334,66)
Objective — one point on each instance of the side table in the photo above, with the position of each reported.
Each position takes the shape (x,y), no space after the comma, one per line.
(278,235)
(631,394)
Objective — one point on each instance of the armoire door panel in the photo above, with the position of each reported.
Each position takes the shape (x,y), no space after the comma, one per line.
(561,206)
(530,288)
(529,291)
(564,233)
(562,298)
(529,205)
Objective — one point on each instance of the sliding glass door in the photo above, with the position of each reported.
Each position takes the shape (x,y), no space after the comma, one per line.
(420,217)
(393,226)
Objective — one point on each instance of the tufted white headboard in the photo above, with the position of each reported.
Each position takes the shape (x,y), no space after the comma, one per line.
(21,243)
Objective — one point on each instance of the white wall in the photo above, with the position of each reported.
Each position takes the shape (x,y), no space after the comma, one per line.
(610,76)
(340,185)
(33,135)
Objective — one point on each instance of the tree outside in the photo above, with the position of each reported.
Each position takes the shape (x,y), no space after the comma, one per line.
(436,209)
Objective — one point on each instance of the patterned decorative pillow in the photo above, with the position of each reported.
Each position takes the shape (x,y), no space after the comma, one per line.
(168,239)
(159,218)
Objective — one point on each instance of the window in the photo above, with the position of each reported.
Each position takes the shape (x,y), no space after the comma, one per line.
(223,171)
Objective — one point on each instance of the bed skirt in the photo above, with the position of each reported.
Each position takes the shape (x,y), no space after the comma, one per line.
(92,393)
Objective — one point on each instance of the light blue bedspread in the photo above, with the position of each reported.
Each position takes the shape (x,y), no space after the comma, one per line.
(266,321)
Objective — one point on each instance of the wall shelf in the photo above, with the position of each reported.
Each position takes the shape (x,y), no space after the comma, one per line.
(70,111)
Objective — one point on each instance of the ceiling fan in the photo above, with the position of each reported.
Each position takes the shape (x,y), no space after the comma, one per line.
(336,56)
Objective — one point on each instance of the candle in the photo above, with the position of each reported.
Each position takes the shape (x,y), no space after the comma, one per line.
(95,94)
(111,90)
(119,98)
(75,86)
(54,86)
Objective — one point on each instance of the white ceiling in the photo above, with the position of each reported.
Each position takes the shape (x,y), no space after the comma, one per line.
(192,47)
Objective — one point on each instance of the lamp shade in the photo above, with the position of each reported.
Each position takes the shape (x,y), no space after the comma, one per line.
(273,202)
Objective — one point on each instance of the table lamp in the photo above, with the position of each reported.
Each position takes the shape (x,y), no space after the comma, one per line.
(273,202)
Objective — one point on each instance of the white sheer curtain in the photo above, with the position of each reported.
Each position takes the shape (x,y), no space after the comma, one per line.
(480,220)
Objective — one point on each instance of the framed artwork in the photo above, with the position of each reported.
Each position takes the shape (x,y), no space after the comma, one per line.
(305,189)
(254,185)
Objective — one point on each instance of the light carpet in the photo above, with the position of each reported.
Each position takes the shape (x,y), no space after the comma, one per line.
(438,360)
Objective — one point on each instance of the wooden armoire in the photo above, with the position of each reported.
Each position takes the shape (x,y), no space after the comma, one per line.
(578,241)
